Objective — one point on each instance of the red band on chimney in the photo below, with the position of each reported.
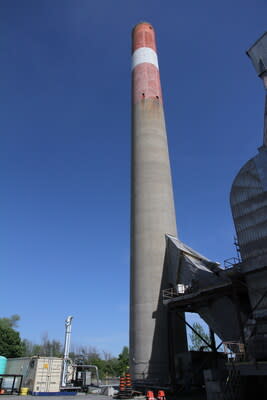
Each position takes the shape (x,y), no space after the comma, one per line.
(143,36)
(145,76)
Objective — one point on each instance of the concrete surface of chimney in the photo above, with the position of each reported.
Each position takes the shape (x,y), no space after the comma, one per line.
(152,215)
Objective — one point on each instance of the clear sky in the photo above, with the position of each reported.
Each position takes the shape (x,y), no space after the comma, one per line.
(65,147)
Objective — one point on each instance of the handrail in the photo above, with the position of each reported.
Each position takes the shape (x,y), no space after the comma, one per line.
(235,351)
(230,262)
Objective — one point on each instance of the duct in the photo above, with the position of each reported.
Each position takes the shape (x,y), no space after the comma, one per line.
(66,359)
(207,288)
(249,206)
(187,266)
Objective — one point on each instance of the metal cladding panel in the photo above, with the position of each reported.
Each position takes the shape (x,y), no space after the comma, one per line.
(175,250)
(186,265)
(22,366)
(258,54)
(183,247)
(249,206)
(256,283)
(193,270)
(227,326)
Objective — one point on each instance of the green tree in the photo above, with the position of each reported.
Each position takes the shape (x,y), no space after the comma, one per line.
(28,348)
(196,342)
(110,365)
(123,361)
(10,343)
(49,348)
(11,322)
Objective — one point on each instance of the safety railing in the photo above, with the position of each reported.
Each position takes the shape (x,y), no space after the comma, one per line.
(235,351)
(179,290)
(231,262)
(168,293)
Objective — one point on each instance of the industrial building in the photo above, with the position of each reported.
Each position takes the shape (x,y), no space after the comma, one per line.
(169,279)
(230,299)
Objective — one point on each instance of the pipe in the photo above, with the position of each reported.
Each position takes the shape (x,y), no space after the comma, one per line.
(68,323)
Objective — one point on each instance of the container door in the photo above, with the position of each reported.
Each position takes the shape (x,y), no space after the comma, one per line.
(42,374)
(53,383)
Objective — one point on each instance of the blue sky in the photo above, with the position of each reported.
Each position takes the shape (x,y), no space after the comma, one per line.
(65,148)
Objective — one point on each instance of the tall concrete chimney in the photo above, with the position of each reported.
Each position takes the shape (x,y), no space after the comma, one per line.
(152,215)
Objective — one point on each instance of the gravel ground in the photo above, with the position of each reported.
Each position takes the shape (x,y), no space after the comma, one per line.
(82,396)
(77,397)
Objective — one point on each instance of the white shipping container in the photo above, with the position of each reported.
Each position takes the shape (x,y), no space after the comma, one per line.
(40,374)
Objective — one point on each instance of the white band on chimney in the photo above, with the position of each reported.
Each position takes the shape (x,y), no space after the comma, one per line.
(144,55)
